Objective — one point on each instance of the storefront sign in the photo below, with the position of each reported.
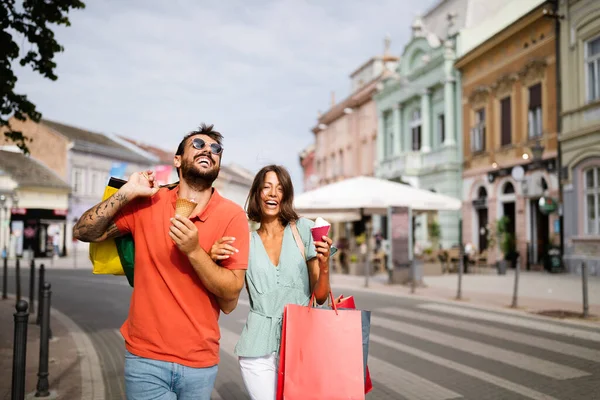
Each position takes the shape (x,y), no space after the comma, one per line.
(61,212)
(547,205)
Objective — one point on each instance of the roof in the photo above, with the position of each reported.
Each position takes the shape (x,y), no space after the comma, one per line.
(95,143)
(164,156)
(28,172)
(237,174)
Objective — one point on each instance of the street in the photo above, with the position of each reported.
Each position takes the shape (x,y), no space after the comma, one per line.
(419,349)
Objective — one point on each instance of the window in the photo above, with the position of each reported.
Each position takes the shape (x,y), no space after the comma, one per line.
(592,66)
(478,132)
(77,181)
(441,128)
(415,128)
(505,121)
(535,111)
(592,200)
(388,129)
(341,163)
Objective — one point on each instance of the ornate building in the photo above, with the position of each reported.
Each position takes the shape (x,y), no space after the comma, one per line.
(509,114)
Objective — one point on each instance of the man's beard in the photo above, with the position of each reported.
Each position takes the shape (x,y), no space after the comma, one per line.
(196,178)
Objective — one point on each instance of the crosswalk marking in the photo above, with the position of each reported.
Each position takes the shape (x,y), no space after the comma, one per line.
(412,386)
(495,380)
(518,360)
(515,321)
(504,334)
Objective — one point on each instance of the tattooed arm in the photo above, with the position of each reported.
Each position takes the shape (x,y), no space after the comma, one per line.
(96,224)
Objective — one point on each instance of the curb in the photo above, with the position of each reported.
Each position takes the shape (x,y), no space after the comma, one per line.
(465,302)
(92,381)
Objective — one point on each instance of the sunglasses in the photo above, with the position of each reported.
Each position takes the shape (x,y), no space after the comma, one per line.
(215,148)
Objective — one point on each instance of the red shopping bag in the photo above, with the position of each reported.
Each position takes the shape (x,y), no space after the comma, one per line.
(320,355)
(348,302)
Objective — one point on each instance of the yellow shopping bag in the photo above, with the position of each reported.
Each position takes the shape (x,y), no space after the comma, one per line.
(104,255)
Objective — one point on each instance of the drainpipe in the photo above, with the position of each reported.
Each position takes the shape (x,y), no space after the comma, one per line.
(557,20)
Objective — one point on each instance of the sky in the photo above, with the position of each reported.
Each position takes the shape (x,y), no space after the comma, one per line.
(258,70)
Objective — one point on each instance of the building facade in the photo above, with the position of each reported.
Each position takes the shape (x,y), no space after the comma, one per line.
(307,162)
(345,135)
(580,133)
(417,138)
(83,159)
(509,114)
(33,207)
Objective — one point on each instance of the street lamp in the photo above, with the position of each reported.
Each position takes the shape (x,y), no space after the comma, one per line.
(537,151)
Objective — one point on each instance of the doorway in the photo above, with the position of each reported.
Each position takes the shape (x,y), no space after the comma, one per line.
(540,232)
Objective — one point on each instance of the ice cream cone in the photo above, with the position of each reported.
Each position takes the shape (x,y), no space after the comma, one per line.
(319,231)
(184,207)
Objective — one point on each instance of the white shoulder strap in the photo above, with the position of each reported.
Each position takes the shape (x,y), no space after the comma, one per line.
(297,238)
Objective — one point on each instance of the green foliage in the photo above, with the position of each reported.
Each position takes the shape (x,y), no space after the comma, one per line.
(29,21)
(506,239)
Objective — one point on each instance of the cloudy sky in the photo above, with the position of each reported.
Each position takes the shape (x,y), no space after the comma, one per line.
(259,70)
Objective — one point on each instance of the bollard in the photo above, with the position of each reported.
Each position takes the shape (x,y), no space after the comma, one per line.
(4,279)
(18,278)
(516,288)
(41,280)
(32,287)
(584,279)
(42,388)
(413,276)
(19,351)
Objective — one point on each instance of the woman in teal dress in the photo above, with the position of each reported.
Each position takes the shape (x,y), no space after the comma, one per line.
(278,274)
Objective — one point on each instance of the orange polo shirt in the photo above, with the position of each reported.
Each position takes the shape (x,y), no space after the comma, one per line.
(172,316)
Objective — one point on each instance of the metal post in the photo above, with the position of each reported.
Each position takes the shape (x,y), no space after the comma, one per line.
(584,279)
(516,289)
(19,351)
(461,266)
(368,227)
(32,287)
(413,276)
(18,278)
(4,279)
(41,282)
(42,388)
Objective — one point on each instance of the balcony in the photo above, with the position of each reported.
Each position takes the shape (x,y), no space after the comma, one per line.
(415,162)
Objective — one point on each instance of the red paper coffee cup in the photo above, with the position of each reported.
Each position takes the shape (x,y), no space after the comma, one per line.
(319,232)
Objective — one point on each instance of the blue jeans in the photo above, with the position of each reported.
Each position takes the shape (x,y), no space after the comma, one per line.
(147,379)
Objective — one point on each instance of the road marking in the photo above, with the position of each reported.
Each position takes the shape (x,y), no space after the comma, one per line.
(504,334)
(244,302)
(518,360)
(515,321)
(411,386)
(444,362)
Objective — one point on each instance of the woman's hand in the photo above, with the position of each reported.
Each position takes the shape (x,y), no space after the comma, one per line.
(323,251)
(222,249)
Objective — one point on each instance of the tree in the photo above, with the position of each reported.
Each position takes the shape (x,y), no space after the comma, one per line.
(28,22)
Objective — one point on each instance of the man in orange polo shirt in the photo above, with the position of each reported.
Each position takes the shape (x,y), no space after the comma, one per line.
(172,332)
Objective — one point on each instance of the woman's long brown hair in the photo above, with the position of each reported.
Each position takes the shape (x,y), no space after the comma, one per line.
(253,203)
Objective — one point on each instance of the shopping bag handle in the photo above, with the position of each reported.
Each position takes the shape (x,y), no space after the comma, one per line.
(313,301)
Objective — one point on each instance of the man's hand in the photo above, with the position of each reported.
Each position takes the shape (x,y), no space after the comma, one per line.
(184,234)
(141,184)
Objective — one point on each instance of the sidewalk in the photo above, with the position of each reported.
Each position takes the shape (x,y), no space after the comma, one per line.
(70,374)
(64,371)
(538,291)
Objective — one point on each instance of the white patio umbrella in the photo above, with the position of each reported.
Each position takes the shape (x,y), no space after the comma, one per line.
(346,200)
